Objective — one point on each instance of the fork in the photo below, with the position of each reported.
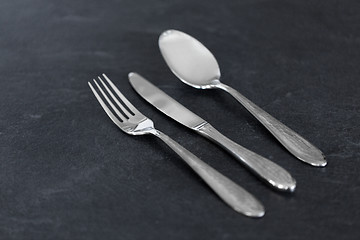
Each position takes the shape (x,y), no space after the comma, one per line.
(132,122)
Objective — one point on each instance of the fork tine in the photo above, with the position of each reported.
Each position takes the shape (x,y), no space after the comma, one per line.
(106,109)
(121,96)
(115,99)
(120,115)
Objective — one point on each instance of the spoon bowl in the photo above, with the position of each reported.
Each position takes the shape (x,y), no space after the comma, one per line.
(189,59)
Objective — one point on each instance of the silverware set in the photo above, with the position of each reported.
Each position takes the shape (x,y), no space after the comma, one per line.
(195,65)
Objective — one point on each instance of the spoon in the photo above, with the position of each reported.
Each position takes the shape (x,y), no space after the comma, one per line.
(196,66)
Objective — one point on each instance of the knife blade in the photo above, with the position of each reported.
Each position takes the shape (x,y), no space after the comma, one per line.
(270,172)
(165,103)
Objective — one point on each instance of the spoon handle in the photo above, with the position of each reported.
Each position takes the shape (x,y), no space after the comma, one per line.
(293,142)
(234,195)
(272,173)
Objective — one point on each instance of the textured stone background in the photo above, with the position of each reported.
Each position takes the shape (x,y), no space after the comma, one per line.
(66,171)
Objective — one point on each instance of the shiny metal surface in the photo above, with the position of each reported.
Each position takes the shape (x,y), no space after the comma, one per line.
(271,173)
(167,105)
(135,123)
(196,66)
(189,59)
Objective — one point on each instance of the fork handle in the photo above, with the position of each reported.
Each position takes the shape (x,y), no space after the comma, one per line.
(293,142)
(234,195)
(269,171)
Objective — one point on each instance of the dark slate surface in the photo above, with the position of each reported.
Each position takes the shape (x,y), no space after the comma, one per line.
(68,173)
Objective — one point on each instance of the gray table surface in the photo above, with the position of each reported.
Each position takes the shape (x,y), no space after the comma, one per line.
(66,171)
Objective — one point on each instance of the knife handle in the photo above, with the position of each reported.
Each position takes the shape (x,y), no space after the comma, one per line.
(272,173)
(293,142)
(234,195)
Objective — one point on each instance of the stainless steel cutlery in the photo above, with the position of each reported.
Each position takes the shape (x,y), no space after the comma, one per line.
(270,172)
(133,122)
(196,66)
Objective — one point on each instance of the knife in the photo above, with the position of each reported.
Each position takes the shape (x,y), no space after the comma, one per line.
(270,172)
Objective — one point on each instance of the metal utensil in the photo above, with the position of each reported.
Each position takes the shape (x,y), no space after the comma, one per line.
(196,66)
(272,173)
(135,123)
